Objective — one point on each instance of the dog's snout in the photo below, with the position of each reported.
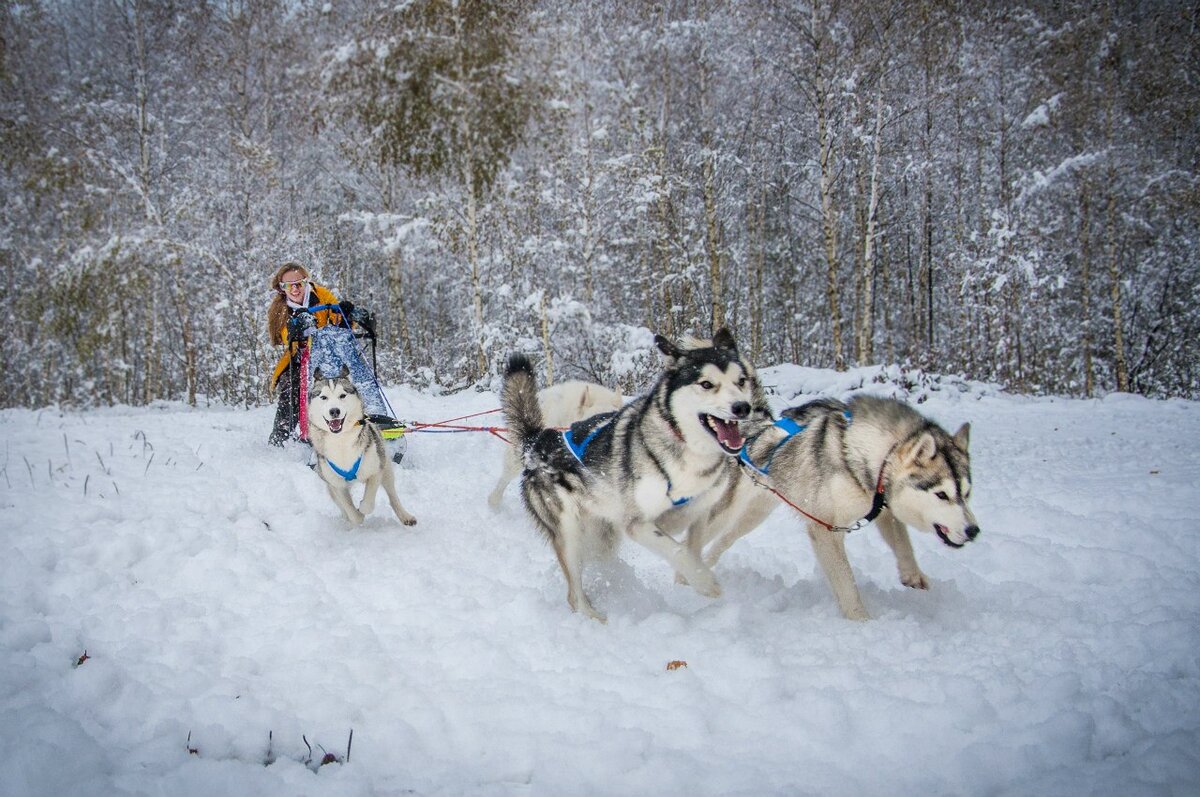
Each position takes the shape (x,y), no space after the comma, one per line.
(741,409)
(972,532)
(334,412)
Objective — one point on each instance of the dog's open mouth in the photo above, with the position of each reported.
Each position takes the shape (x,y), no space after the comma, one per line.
(728,433)
(335,424)
(944,533)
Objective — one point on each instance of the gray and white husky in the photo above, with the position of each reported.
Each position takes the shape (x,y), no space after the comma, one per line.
(562,405)
(843,465)
(349,449)
(619,473)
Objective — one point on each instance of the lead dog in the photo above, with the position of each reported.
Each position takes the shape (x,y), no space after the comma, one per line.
(562,405)
(842,464)
(618,473)
(349,448)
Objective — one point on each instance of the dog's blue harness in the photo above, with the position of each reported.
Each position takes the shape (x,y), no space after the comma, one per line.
(349,475)
(878,501)
(676,501)
(786,424)
(580,448)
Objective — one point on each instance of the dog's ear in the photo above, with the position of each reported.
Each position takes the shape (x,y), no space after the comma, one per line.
(926,448)
(317,377)
(962,438)
(923,450)
(667,347)
(724,339)
(344,373)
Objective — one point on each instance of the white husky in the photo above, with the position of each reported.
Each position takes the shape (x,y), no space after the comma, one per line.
(562,405)
(349,448)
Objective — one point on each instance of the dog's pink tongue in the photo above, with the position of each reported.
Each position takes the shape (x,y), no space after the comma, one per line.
(335,424)
(729,433)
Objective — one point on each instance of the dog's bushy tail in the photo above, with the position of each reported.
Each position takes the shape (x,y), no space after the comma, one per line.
(518,398)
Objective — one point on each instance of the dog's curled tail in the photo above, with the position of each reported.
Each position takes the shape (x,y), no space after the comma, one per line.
(518,398)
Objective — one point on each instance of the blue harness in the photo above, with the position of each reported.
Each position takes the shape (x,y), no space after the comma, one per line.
(786,424)
(349,475)
(580,448)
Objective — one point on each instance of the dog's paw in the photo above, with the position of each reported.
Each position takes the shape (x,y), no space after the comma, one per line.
(409,521)
(706,584)
(592,614)
(916,580)
(583,606)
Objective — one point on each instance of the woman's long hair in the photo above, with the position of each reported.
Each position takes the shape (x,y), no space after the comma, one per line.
(277,313)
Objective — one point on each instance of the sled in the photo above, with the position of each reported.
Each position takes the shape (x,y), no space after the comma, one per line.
(332,346)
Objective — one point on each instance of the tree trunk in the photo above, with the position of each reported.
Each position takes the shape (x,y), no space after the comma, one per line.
(481,362)
(397,301)
(1085,289)
(757,267)
(588,201)
(547,350)
(713,242)
(864,339)
(829,224)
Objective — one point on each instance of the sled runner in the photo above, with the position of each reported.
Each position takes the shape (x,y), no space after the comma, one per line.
(332,346)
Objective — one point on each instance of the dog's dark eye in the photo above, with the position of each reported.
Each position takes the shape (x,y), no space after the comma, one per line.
(706,385)
(742,382)
(942,495)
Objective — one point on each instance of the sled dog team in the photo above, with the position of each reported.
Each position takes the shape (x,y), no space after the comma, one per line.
(690,467)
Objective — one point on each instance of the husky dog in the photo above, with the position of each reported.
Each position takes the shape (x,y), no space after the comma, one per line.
(843,465)
(662,453)
(562,405)
(349,448)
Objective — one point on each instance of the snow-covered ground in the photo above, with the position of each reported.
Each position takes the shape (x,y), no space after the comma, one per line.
(228,613)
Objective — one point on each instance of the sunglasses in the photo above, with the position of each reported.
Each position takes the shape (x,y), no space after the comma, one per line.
(284,286)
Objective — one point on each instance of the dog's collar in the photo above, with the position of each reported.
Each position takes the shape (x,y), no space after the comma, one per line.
(349,475)
(878,502)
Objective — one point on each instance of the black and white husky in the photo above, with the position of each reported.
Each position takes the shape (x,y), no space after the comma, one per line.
(843,465)
(562,405)
(349,449)
(622,472)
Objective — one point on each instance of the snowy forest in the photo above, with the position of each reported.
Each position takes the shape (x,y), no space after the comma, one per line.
(1006,191)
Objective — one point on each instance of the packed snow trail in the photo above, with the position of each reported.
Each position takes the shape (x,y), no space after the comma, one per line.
(224,606)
